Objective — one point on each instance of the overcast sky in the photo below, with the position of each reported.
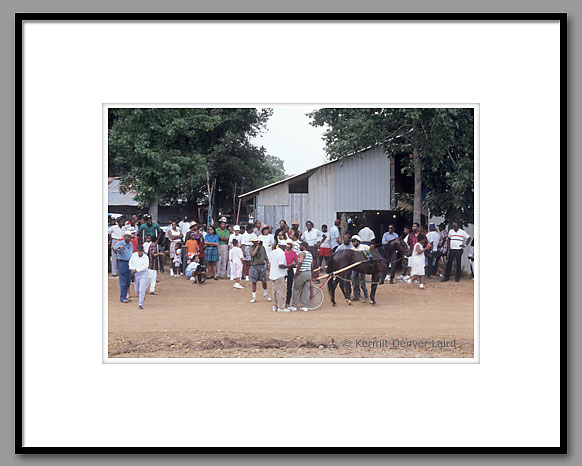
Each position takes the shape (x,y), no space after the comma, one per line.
(290,137)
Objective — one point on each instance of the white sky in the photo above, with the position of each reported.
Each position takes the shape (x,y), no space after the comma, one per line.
(290,137)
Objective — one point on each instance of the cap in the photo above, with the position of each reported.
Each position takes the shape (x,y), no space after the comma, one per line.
(264,226)
(253,238)
(223,219)
(236,228)
(283,242)
(139,247)
(356,237)
(127,232)
(295,222)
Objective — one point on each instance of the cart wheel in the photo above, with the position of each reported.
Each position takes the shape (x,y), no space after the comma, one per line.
(316,300)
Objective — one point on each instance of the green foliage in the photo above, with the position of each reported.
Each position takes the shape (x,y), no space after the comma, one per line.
(166,152)
(443,137)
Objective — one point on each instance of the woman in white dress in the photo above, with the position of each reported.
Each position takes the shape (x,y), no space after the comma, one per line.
(416,261)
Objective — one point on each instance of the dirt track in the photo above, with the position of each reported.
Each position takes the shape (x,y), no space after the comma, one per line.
(218,321)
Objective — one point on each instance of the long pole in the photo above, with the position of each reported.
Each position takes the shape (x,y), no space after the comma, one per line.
(238,212)
(208,186)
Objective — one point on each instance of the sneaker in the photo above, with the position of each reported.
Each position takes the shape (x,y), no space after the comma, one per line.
(282,309)
(247,279)
(445,280)
(192,279)
(231,278)
(391,282)
(268,298)
(304,309)
(239,286)
(421,286)
(275,308)
(171,273)
(253,300)
(292,308)
(125,301)
(140,306)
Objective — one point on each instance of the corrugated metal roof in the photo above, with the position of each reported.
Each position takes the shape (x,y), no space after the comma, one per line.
(304,174)
(116,198)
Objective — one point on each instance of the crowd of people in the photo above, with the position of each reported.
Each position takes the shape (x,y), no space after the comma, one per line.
(140,249)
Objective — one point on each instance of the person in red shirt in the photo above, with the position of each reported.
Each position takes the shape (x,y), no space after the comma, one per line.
(291,257)
(134,239)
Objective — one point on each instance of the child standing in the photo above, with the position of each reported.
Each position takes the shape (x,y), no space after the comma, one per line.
(177,262)
(416,261)
(236,265)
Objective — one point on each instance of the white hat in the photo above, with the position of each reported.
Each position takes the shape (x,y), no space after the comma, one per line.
(192,223)
(236,228)
(127,232)
(222,219)
(356,237)
(253,238)
(282,242)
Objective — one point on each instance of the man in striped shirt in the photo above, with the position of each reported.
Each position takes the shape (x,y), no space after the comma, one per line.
(457,241)
(302,280)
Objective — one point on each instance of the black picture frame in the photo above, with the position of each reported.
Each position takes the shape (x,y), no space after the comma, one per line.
(20,18)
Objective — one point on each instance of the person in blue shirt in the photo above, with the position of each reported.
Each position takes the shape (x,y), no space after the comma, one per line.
(124,250)
(389,236)
(211,241)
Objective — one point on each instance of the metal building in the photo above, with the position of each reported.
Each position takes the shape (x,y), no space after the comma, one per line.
(359,190)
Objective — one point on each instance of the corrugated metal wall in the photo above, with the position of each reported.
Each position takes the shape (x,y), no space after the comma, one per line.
(295,210)
(322,192)
(277,195)
(361,182)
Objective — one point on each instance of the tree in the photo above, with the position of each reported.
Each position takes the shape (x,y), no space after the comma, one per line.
(440,142)
(164,153)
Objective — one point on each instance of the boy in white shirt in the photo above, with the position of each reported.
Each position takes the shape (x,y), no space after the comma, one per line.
(235,256)
(139,264)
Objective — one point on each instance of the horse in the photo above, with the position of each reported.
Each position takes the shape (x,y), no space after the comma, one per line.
(377,266)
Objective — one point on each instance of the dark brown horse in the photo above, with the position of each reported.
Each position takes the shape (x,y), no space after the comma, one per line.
(376,265)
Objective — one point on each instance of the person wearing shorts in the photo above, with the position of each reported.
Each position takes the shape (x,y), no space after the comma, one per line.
(324,247)
(258,267)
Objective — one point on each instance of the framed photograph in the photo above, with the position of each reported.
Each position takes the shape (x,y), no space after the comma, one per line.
(261,218)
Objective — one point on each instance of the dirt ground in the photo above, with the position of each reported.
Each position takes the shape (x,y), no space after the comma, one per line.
(217,321)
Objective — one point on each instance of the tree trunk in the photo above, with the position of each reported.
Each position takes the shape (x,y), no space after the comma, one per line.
(417,210)
(153,209)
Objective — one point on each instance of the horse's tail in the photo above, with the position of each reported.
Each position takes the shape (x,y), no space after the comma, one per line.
(330,265)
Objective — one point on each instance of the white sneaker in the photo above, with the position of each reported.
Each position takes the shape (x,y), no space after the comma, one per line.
(192,279)
(304,309)
(421,286)
(171,273)
(253,300)
(239,286)
(247,279)
(275,308)
(282,309)
(292,308)
(231,278)
(268,298)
